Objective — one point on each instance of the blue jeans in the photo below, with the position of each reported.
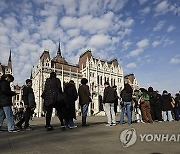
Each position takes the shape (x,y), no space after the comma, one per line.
(6,112)
(84,110)
(126,106)
(177,114)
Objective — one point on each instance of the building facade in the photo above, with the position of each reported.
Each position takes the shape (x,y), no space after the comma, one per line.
(131,79)
(97,71)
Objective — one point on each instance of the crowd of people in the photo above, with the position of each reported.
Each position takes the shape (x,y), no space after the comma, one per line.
(139,105)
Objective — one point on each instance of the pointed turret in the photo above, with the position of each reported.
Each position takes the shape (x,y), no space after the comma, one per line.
(59,50)
(9,67)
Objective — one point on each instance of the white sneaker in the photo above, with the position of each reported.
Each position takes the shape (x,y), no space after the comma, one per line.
(113,124)
(108,124)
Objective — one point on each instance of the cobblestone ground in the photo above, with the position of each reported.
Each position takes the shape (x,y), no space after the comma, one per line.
(156,138)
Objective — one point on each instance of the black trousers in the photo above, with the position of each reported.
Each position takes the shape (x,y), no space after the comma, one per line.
(49,110)
(25,118)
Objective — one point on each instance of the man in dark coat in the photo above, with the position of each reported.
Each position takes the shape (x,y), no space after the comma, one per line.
(155,104)
(126,95)
(6,102)
(108,100)
(166,106)
(51,91)
(84,99)
(29,105)
(177,107)
(71,94)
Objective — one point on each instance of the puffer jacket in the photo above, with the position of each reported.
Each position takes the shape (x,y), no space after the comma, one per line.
(109,95)
(5,94)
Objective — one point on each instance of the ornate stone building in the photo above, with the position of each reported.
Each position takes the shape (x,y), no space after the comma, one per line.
(96,70)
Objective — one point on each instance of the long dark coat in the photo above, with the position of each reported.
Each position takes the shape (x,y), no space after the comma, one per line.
(84,94)
(166,102)
(52,87)
(71,95)
(5,94)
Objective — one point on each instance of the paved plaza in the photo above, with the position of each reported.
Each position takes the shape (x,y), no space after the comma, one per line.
(95,139)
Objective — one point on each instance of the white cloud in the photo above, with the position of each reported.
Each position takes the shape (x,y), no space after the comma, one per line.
(4,39)
(131,65)
(162,8)
(127,23)
(10,22)
(98,6)
(146,10)
(156,43)
(76,43)
(159,26)
(99,41)
(47,26)
(170,28)
(73,32)
(142,1)
(143,43)
(126,44)
(135,52)
(175,60)
(140,48)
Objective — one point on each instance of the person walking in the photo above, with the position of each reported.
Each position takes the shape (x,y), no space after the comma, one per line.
(6,102)
(108,100)
(50,95)
(126,95)
(71,94)
(167,106)
(84,99)
(29,105)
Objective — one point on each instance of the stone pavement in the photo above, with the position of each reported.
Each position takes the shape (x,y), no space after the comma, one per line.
(95,139)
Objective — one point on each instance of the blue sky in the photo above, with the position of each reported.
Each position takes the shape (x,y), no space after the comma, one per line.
(143,35)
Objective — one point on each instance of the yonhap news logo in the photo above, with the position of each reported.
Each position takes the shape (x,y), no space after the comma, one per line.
(128,137)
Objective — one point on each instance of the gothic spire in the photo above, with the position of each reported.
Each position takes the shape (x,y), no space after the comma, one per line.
(9,62)
(59,50)
(9,56)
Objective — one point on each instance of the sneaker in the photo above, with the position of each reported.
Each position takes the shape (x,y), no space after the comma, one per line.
(71,127)
(75,126)
(19,127)
(13,131)
(108,125)
(113,124)
(63,128)
(28,128)
(49,128)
